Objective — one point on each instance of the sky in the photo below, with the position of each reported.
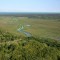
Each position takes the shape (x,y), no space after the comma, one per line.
(29,5)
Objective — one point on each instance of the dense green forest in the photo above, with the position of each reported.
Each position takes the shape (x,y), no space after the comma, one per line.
(33,48)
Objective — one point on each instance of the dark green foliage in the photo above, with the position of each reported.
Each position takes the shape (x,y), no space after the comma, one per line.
(49,42)
(28,48)
(31,50)
(6,36)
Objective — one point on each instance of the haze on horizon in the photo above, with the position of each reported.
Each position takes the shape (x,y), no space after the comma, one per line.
(30,6)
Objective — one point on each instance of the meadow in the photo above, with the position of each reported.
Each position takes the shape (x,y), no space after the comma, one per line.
(39,27)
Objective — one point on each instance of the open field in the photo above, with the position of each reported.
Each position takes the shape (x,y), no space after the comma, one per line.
(39,27)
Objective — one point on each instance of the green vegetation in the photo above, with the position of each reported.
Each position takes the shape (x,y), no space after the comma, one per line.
(39,27)
(43,45)
(30,49)
(6,36)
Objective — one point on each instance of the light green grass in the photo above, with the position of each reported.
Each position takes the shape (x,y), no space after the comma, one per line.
(38,28)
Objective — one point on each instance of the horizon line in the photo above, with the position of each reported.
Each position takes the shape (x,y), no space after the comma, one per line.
(29,12)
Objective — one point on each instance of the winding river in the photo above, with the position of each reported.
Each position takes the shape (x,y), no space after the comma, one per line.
(21,29)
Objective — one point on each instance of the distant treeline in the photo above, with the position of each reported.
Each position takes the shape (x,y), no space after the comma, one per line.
(34,15)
